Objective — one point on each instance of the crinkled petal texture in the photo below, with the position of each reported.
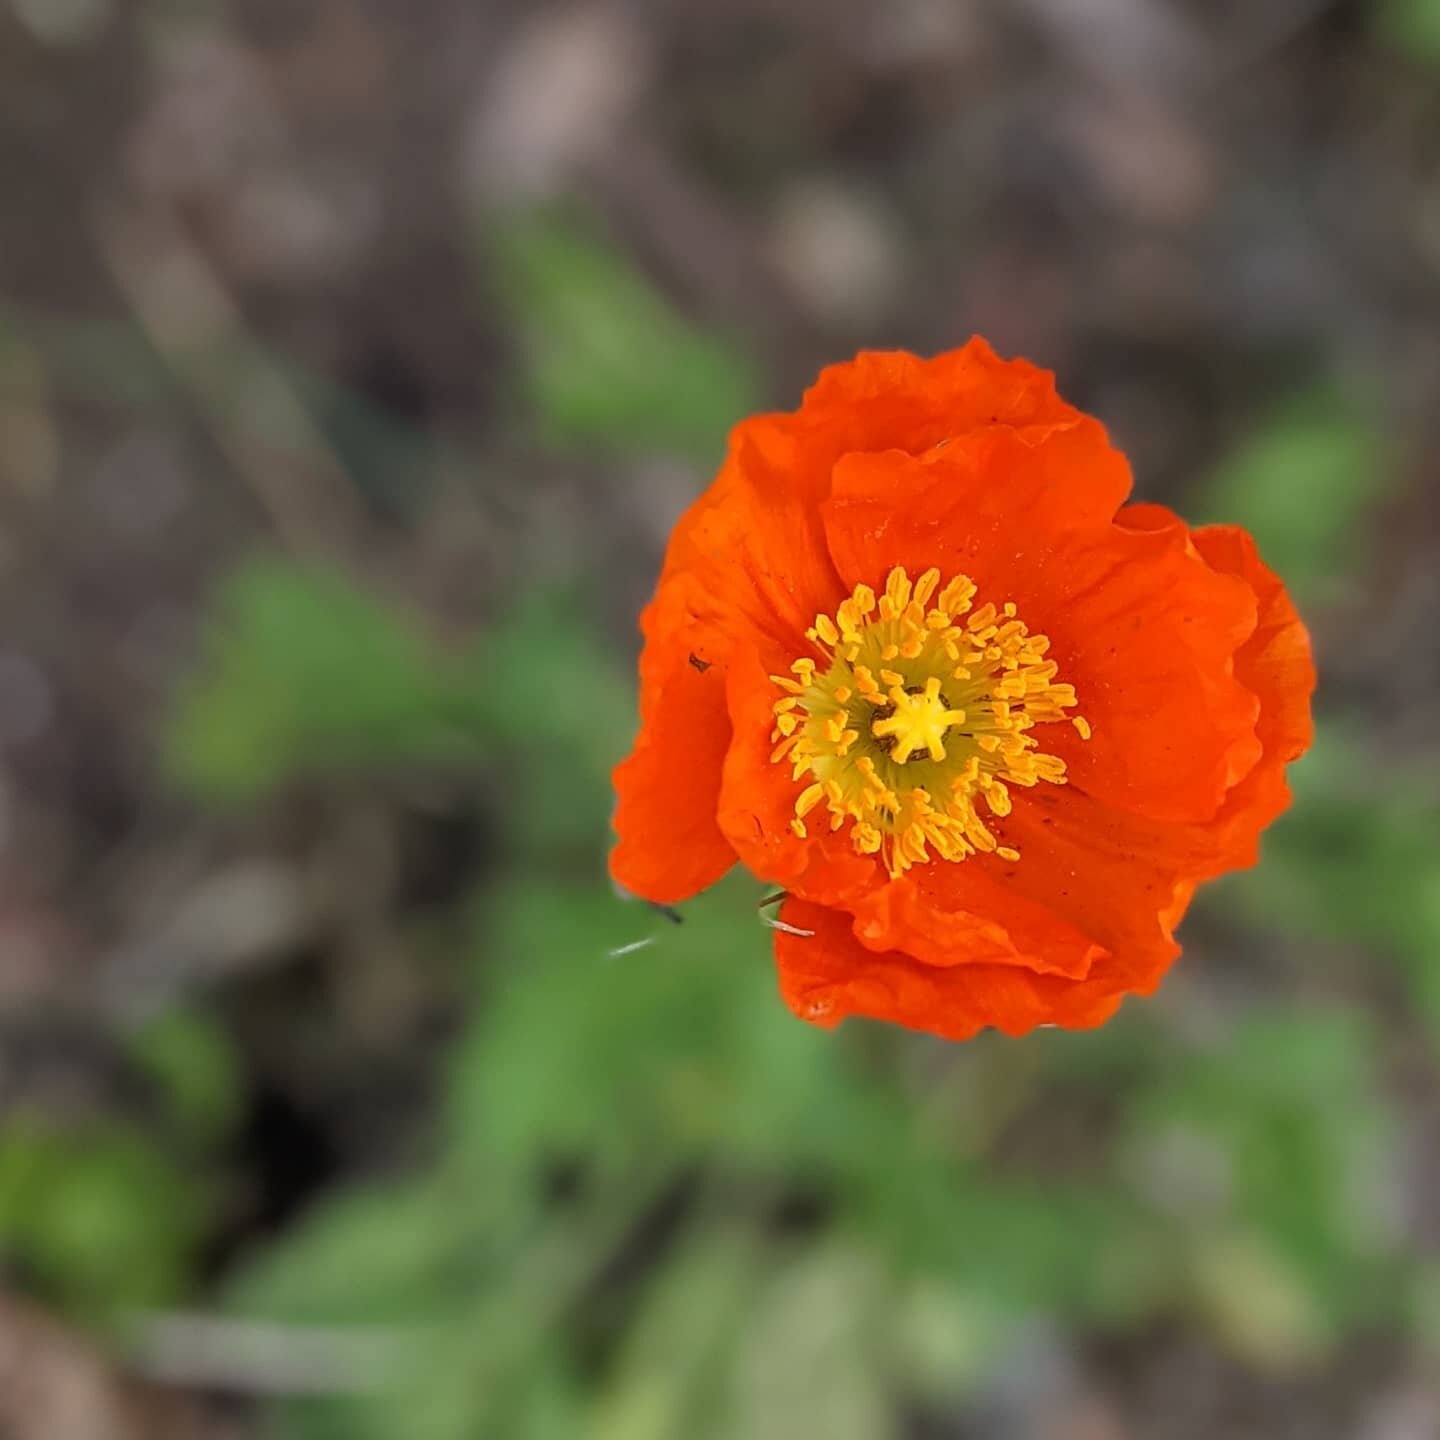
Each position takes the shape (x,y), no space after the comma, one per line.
(1187,657)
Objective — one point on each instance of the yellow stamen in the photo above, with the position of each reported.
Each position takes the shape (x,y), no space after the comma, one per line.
(919,714)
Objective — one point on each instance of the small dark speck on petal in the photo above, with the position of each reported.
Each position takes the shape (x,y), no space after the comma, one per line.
(701,665)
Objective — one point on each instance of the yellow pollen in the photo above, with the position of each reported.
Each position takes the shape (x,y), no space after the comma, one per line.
(921,709)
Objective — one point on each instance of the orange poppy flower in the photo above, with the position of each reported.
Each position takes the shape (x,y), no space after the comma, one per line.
(914,659)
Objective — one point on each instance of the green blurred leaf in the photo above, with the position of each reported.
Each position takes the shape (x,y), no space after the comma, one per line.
(190,1056)
(105,1220)
(945,1339)
(303,670)
(671,1049)
(374,1253)
(1301,484)
(1259,1302)
(561,714)
(1286,1115)
(1356,861)
(610,364)
(671,1371)
(1412,26)
(814,1353)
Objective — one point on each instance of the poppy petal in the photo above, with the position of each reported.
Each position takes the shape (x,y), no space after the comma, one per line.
(826,974)
(757,803)
(1138,623)
(1276,664)
(966,914)
(753,543)
(667,789)
(1277,661)
(890,399)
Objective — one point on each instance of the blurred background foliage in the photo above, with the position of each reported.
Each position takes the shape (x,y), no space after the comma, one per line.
(354,362)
